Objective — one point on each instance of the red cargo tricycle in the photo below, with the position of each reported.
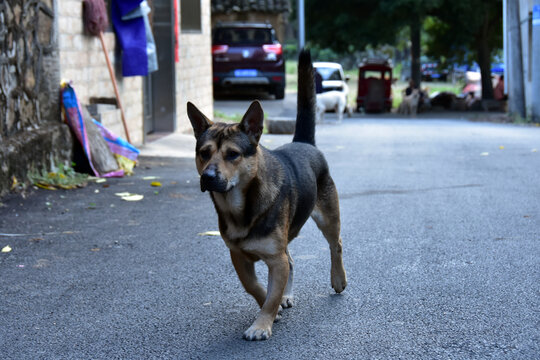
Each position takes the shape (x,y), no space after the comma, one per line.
(374,86)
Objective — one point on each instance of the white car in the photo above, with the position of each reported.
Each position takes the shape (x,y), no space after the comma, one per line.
(333,77)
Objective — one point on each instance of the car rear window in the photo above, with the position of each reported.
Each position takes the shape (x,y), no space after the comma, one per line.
(243,36)
(329,73)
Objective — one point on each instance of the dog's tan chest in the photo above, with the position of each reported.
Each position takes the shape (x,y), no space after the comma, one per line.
(261,247)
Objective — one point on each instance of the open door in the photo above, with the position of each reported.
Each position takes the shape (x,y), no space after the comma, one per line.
(160,86)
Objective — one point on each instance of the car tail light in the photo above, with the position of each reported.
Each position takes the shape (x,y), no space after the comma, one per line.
(273,48)
(219,49)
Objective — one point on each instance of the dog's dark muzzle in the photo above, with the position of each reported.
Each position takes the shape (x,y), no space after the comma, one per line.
(212,180)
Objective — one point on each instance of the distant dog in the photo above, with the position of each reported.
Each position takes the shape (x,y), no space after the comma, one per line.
(332,100)
(264,197)
(409,104)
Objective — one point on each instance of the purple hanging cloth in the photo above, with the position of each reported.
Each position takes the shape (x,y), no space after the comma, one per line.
(132,37)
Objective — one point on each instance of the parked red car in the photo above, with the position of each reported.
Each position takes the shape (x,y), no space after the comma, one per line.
(374,86)
(247,56)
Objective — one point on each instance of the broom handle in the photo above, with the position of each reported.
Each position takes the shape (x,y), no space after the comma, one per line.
(113,79)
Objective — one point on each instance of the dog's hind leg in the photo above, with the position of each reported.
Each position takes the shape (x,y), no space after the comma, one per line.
(245,268)
(288,299)
(326,216)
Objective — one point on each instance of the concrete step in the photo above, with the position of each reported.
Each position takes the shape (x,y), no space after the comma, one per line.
(109,116)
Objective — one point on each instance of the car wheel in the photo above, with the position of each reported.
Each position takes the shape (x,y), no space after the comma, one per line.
(279,92)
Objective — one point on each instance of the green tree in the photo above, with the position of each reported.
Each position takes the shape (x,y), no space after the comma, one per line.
(465,30)
(351,25)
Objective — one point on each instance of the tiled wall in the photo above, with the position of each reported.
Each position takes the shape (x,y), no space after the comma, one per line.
(194,71)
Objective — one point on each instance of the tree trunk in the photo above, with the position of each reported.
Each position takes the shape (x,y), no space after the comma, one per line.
(516,90)
(416,74)
(484,58)
(484,61)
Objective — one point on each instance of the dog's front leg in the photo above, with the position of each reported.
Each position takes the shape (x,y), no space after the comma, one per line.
(278,273)
(245,268)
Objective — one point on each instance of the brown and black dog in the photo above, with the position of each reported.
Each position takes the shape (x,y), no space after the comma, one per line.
(263,197)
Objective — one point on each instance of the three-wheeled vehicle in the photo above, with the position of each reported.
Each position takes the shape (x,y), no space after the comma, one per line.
(374,86)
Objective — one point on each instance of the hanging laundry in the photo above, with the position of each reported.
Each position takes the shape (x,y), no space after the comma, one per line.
(130,20)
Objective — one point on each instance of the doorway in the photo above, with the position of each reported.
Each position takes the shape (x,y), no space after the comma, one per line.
(160,86)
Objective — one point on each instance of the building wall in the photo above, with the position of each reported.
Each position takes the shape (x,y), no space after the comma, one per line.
(525,13)
(194,71)
(82,61)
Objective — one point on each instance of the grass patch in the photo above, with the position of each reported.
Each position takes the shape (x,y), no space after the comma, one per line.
(291,77)
(222,117)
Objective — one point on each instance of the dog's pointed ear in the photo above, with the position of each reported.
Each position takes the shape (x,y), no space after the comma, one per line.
(199,122)
(253,121)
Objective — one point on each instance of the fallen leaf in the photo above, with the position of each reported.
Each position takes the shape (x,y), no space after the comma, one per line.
(101,180)
(95,249)
(501,147)
(122,194)
(534,150)
(150,177)
(45,186)
(14,183)
(210,233)
(6,249)
(155,184)
(133,197)
(484,154)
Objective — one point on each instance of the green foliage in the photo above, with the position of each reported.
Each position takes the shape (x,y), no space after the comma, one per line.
(458,28)
(62,176)
(223,117)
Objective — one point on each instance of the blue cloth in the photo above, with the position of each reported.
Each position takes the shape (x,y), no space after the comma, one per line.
(131,34)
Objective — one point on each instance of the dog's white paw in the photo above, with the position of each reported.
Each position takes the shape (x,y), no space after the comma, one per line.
(339,280)
(287,301)
(279,314)
(256,333)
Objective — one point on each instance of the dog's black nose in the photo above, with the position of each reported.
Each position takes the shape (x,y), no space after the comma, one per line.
(212,180)
(209,173)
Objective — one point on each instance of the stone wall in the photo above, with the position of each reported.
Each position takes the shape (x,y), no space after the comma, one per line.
(194,71)
(31,133)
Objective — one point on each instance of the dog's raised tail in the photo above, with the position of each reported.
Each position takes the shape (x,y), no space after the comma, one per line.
(305,117)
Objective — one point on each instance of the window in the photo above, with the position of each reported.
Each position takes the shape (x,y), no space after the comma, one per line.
(329,73)
(190,15)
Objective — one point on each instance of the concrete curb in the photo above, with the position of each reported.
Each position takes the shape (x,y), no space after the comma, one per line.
(280,125)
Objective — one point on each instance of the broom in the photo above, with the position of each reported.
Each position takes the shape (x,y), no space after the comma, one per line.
(95,22)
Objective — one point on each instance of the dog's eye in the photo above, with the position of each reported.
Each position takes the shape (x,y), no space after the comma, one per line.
(205,154)
(232,155)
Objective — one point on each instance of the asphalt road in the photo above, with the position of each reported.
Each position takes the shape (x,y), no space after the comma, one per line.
(441,234)
(237,104)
